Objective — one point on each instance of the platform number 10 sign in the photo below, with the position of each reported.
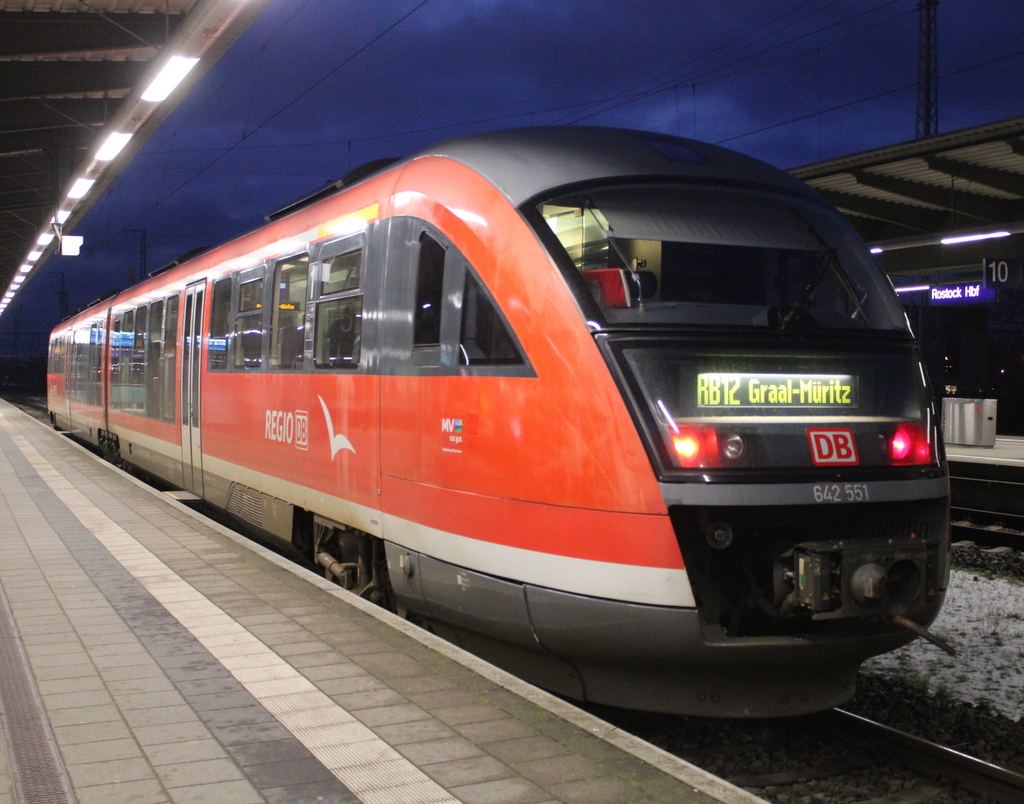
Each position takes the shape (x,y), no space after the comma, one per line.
(1001,273)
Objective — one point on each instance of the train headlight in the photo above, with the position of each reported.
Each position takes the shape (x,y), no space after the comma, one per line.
(733,447)
(910,446)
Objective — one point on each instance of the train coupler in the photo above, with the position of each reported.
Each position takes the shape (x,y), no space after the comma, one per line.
(833,580)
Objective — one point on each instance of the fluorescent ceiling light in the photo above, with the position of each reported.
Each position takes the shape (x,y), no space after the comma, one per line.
(112,146)
(948,241)
(45,238)
(34,255)
(25,268)
(17,281)
(912,288)
(168,78)
(876,250)
(63,215)
(80,188)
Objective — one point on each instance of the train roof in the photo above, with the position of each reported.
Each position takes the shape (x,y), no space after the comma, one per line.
(529,162)
(525,163)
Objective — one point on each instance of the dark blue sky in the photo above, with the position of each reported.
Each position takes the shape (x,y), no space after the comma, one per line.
(315,87)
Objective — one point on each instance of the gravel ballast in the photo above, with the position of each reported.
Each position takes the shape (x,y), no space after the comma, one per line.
(983,618)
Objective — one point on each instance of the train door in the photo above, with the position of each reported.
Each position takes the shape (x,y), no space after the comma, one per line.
(191,363)
(448,407)
(69,350)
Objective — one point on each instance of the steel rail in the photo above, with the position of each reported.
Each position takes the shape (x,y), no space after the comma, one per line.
(987,537)
(931,759)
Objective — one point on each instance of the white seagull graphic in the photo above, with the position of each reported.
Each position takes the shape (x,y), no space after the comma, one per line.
(338,441)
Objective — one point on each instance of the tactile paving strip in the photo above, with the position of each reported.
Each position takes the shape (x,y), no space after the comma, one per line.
(39,774)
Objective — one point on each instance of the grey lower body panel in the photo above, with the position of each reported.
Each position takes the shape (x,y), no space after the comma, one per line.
(630,655)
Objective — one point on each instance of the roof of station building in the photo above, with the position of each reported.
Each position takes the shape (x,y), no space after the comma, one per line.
(69,73)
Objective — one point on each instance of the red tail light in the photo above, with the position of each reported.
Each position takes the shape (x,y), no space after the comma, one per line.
(909,445)
(696,447)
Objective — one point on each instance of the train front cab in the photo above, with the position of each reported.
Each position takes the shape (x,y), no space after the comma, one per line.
(785,410)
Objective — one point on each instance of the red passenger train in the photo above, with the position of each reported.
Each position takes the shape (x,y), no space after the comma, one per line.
(635,417)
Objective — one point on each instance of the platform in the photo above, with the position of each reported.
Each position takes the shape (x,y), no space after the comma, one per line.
(1008,451)
(150,655)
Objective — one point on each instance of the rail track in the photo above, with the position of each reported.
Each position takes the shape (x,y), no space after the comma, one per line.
(833,757)
(930,759)
(987,504)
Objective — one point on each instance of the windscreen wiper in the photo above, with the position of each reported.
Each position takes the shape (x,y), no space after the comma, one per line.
(826,260)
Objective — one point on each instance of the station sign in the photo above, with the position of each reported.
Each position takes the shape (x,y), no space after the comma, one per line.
(963,293)
(1004,274)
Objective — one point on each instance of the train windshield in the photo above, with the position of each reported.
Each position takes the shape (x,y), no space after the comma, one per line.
(720,256)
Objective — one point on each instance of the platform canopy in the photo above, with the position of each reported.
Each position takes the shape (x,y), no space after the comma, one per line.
(73,72)
(905,199)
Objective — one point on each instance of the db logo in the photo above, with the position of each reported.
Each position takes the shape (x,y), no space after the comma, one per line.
(833,447)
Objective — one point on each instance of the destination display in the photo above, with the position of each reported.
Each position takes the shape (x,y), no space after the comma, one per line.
(737,391)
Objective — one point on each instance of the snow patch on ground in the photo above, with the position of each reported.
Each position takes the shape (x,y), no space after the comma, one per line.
(983,618)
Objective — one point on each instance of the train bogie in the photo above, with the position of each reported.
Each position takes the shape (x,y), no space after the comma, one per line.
(634,417)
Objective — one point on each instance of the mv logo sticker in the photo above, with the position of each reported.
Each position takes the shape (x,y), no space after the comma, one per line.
(455,432)
(833,447)
(338,441)
(451,435)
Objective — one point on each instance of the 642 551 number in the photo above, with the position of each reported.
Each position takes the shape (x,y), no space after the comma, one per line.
(840,492)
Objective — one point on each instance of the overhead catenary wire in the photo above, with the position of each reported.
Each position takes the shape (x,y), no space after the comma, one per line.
(715,73)
(710,70)
(876,96)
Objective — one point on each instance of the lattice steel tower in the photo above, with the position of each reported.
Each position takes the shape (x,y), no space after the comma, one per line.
(927,70)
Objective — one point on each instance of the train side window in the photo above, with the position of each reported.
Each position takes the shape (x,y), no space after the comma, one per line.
(429,293)
(125,359)
(338,332)
(220,316)
(341,272)
(288,323)
(248,331)
(76,357)
(96,333)
(250,295)
(338,311)
(52,354)
(138,370)
(169,359)
(77,363)
(485,338)
(115,362)
(154,348)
